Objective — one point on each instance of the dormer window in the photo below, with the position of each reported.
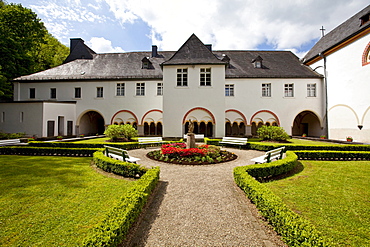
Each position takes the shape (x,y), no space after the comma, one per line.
(365,19)
(146,64)
(226,59)
(257,62)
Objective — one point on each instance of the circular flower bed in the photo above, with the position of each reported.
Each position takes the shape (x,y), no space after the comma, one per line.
(177,153)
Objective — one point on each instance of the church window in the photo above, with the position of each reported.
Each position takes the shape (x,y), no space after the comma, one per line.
(266,89)
(160,88)
(205,76)
(229,90)
(77,93)
(32,93)
(311,90)
(120,89)
(289,90)
(140,89)
(53,93)
(99,92)
(182,77)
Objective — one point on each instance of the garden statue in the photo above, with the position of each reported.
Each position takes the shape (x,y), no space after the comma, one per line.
(190,140)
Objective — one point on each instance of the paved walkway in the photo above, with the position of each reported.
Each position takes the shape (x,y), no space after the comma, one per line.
(200,206)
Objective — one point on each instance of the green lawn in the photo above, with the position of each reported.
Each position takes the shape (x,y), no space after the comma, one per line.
(52,201)
(94,140)
(334,196)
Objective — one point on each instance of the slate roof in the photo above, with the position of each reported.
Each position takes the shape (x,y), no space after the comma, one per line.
(340,34)
(193,51)
(125,66)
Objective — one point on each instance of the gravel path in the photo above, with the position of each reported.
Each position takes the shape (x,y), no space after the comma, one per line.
(200,206)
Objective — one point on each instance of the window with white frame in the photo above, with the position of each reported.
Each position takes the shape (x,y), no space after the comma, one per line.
(77,93)
(266,89)
(182,77)
(311,90)
(160,88)
(229,90)
(53,93)
(288,90)
(120,89)
(205,76)
(140,89)
(99,92)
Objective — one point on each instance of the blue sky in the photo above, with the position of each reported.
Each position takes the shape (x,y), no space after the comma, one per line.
(136,25)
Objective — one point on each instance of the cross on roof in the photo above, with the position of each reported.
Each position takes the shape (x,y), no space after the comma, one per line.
(322,31)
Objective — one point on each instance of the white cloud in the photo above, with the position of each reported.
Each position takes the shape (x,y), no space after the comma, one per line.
(102,45)
(236,24)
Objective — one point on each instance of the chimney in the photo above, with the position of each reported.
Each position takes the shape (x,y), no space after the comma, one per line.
(154,51)
(209,47)
(74,42)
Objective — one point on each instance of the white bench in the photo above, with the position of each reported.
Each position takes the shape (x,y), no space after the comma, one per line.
(234,141)
(9,142)
(150,140)
(269,156)
(119,154)
(196,136)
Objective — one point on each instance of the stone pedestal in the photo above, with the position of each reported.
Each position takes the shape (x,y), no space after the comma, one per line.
(190,140)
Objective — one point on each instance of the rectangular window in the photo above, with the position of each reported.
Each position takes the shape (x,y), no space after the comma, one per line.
(288,90)
(159,88)
(69,128)
(229,90)
(140,89)
(77,92)
(266,89)
(21,117)
(182,77)
(205,77)
(3,117)
(53,93)
(32,93)
(311,90)
(120,89)
(99,92)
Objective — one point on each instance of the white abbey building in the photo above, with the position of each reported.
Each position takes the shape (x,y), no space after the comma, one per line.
(226,92)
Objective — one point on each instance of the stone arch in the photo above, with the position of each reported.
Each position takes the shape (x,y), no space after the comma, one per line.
(366,55)
(202,119)
(235,123)
(307,122)
(124,116)
(264,116)
(90,122)
(152,121)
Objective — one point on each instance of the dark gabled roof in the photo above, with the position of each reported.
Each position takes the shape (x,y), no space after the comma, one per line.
(276,64)
(340,34)
(104,66)
(193,51)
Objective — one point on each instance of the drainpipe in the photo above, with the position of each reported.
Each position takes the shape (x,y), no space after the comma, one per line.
(326,95)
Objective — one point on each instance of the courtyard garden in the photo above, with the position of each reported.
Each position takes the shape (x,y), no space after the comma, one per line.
(53,201)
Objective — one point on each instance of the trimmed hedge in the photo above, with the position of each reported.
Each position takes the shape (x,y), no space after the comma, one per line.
(125,145)
(27,150)
(122,168)
(332,155)
(114,228)
(295,230)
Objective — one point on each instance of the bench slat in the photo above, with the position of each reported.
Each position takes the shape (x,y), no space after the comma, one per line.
(270,155)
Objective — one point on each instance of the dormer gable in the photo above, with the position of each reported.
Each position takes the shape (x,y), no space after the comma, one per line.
(257,62)
(146,64)
(365,19)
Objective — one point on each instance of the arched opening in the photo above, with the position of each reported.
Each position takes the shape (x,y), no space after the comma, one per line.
(209,132)
(152,128)
(146,128)
(241,129)
(91,123)
(235,129)
(254,129)
(202,128)
(159,128)
(228,128)
(307,123)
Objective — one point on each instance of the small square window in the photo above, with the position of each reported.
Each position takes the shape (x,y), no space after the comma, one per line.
(140,89)
(229,90)
(266,89)
(77,92)
(53,93)
(159,88)
(205,76)
(288,90)
(32,93)
(182,77)
(311,90)
(120,89)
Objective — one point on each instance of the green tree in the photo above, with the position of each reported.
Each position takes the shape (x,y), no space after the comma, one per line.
(25,45)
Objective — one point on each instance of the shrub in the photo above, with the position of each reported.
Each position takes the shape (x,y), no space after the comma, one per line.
(118,131)
(274,133)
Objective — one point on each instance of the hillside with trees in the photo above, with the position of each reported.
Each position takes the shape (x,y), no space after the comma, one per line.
(26,46)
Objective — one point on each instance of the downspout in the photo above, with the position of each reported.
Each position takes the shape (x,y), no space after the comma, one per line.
(326,96)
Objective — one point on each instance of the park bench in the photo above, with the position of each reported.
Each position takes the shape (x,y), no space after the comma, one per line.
(196,136)
(234,141)
(119,154)
(269,156)
(150,140)
(9,142)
